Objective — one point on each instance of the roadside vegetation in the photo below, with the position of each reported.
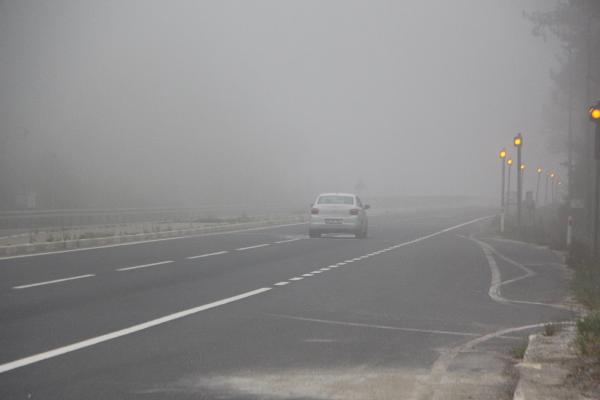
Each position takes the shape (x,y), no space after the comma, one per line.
(586,288)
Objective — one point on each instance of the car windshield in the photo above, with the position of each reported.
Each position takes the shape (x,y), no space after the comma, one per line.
(335,199)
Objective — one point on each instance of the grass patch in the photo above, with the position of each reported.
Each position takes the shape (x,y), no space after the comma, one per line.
(518,352)
(588,335)
(94,235)
(551,329)
(586,282)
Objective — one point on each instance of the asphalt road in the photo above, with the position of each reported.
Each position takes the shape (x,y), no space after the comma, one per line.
(269,313)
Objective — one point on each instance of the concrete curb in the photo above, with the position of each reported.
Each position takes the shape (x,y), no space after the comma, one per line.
(33,248)
(545,367)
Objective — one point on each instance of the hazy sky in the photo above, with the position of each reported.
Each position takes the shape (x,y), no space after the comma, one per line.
(244,100)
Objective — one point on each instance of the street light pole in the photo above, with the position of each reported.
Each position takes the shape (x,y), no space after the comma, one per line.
(537,186)
(518,142)
(502,155)
(509,162)
(546,190)
(594,113)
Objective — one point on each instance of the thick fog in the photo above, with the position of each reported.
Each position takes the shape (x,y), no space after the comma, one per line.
(179,103)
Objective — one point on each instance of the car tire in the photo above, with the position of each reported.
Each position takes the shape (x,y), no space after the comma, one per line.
(360,234)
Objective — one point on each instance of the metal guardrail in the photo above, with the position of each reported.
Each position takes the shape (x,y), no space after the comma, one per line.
(22,221)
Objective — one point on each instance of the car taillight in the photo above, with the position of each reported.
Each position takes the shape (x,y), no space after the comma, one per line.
(354,211)
(314,211)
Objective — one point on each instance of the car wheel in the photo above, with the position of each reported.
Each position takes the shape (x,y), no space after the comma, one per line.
(362,233)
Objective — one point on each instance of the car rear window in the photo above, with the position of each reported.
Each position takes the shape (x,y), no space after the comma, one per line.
(336,200)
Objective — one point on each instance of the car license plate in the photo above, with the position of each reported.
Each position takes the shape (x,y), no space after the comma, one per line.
(333,220)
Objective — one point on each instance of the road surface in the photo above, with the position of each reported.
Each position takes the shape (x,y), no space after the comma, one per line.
(270,313)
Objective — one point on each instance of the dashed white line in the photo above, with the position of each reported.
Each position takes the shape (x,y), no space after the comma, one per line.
(307,275)
(287,240)
(296,278)
(316,271)
(144,265)
(283,283)
(340,264)
(123,332)
(53,281)
(216,253)
(325,269)
(253,247)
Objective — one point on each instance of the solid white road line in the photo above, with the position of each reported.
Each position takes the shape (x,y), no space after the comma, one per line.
(281,283)
(123,332)
(144,265)
(216,253)
(53,281)
(254,247)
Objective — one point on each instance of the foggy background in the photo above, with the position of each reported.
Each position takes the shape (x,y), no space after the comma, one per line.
(179,103)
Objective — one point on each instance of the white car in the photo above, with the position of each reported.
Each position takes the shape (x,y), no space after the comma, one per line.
(338,213)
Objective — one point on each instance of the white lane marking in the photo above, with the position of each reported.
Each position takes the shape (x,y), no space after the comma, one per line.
(123,332)
(356,259)
(47,253)
(296,278)
(53,281)
(340,264)
(325,269)
(497,282)
(281,283)
(386,327)
(256,246)
(316,272)
(144,265)
(216,253)
(333,266)
(307,274)
(287,240)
